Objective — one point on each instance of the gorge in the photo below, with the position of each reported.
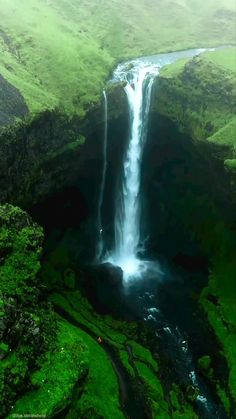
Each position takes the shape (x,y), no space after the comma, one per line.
(117,210)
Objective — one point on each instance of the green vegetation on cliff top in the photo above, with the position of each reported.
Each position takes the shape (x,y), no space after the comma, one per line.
(59,53)
(203,97)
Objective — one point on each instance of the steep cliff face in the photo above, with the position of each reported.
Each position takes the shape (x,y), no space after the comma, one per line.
(44,153)
(194,177)
(199,95)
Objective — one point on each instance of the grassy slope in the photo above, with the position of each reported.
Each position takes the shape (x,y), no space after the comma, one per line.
(59,53)
(65,369)
(216,68)
(59,373)
(120,335)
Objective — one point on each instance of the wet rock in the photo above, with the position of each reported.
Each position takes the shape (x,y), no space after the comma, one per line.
(12,103)
(109,273)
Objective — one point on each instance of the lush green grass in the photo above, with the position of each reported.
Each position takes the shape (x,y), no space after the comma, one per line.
(58,375)
(77,374)
(154,391)
(118,334)
(222,309)
(226,134)
(21,241)
(225,58)
(199,94)
(60,53)
(28,326)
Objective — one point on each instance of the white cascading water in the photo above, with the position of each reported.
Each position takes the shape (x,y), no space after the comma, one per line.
(139,81)
(139,76)
(100,244)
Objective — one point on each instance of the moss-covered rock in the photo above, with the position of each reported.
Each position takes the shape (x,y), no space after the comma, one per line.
(38,156)
(199,95)
(126,338)
(204,363)
(59,378)
(27,324)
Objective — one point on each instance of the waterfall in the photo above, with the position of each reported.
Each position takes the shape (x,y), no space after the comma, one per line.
(138,77)
(139,81)
(100,245)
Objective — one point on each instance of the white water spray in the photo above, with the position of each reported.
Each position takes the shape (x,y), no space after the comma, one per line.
(100,245)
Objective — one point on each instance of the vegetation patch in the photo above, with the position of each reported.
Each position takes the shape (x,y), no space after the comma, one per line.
(27,323)
(199,94)
(59,378)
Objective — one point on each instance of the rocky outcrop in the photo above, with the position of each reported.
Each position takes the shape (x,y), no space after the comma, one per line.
(12,103)
(37,156)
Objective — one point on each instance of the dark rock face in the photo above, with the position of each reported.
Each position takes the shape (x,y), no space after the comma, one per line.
(37,157)
(109,273)
(12,103)
(40,156)
(184,185)
(104,274)
(101,283)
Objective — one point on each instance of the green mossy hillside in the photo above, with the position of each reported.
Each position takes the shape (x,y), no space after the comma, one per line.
(60,376)
(20,246)
(129,341)
(59,54)
(27,323)
(199,95)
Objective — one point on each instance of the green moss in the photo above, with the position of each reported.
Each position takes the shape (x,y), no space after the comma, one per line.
(225,58)
(68,148)
(60,371)
(27,322)
(180,408)
(4,348)
(116,332)
(199,95)
(204,363)
(154,391)
(22,245)
(230,164)
(143,354)
(226,136)
(124,357)
(224,398)
(120,335)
